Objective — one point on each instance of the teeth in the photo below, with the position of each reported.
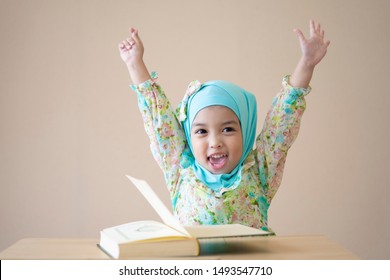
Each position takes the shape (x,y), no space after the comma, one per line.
(218,156)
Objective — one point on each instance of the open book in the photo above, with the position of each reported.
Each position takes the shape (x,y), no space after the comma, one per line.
(163,239)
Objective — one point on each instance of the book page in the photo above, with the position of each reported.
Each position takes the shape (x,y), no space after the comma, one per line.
(157,204)
(142,231)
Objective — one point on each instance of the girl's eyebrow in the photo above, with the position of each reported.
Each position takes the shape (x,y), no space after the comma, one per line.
(229,122)
(198,124)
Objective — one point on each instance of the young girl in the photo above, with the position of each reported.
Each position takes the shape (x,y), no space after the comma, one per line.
(205,148)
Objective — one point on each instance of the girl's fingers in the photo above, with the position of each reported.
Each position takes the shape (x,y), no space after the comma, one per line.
(312,27)
(130,43)
(124,44)
(135,36)
(132,30)
(300,35)
(318,28)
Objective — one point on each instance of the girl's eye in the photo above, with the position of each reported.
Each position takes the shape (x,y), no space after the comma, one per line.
(200,131)
(228,129)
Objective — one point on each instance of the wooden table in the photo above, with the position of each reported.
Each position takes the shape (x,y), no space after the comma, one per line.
(308,247)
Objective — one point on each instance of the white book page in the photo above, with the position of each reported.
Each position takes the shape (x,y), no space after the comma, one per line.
(141,231)
(157,204)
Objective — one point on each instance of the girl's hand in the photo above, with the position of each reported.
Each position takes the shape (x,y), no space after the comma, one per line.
(131,49)
(314,48)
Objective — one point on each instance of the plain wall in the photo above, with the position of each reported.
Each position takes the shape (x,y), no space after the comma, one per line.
(70,128)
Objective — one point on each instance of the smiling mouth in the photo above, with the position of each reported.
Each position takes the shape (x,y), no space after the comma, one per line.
(217,161)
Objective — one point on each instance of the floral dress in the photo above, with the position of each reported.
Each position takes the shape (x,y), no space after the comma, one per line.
(247,203)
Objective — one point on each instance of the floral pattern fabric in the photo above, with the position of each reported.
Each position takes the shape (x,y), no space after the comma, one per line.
(193,202)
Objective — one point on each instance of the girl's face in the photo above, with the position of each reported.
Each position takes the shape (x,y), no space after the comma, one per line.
(217,139)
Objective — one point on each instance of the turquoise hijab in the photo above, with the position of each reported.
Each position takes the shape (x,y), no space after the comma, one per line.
(242,103)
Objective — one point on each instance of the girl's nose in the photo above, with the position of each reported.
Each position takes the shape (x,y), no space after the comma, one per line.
(215,142)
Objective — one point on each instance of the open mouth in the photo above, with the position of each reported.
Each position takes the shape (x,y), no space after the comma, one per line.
(217,161)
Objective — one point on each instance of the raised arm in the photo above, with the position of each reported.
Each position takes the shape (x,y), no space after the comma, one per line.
(282,122)
(167,138)
(132,51)
(313,50)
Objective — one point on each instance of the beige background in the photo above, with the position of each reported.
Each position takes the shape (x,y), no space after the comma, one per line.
(70,127)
